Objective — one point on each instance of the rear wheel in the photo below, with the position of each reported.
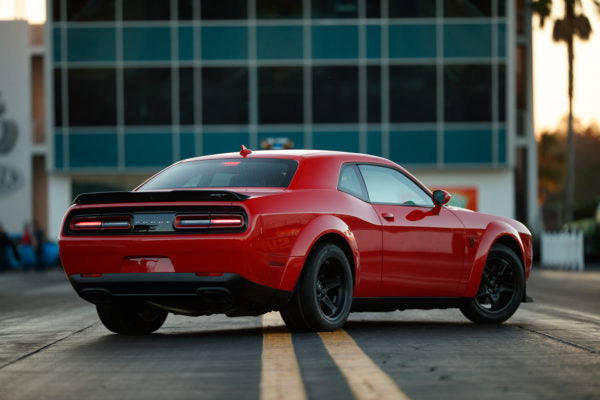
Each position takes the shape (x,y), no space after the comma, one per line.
(501,289)
(323,296)
(131,321)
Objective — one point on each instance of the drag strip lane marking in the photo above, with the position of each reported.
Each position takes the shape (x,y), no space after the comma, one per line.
(280,376)
(365,378)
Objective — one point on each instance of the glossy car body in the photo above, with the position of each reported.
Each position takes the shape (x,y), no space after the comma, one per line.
(400,256)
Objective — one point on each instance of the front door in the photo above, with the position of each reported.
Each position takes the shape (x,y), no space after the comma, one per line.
(423,252)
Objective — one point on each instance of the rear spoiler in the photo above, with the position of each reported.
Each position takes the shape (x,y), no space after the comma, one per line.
(167,196)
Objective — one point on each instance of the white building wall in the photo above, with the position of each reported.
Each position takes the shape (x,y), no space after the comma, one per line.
(495,189)
(59,200)
(15,156)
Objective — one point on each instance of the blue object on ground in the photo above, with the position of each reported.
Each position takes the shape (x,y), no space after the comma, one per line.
(27,256)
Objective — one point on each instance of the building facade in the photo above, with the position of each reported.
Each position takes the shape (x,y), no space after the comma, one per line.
(442,87)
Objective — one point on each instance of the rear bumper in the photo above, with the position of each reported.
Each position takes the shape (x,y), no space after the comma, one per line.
(182,293)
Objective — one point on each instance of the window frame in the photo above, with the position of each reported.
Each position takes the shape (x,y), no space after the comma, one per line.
(418,184)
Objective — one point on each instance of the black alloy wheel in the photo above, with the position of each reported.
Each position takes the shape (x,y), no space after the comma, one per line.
(323,296)
(501,289)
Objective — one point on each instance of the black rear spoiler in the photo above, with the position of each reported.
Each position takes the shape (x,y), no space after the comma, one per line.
(167,196)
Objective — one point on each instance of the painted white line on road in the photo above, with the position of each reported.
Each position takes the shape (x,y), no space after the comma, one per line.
(280,377)
(365,378)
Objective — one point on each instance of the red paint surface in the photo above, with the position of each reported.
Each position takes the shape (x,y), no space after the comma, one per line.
(409,252)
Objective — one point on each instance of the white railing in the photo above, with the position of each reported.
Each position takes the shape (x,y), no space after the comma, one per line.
(562,250)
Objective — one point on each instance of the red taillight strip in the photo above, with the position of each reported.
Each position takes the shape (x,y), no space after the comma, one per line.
(100,223)
(204,221)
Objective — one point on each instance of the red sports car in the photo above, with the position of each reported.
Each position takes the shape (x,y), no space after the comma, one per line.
(312,234)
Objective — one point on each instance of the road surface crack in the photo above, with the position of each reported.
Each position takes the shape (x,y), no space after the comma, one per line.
(561,340)
(24,356)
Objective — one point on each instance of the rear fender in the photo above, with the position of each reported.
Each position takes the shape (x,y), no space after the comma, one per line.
(307,238)
(493,232)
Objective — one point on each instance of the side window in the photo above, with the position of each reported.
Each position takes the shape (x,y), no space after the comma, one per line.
(350,182)
(389,186)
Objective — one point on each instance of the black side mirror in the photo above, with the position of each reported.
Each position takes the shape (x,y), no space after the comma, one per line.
(441,197)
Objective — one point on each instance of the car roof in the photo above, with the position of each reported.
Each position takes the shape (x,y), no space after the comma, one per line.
(297,155)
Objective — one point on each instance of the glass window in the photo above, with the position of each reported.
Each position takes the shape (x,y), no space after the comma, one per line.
(413,147)
(236,172)
(336,140)
(88,10)
(467,93)
(56,44)
(185,10)
(56,11)
(279,42)
(57,97)
(91,44)
(412,9)
(373,9)
(92,97)
(468,40)
(147,96)
(93,150)
(334,42)
(223,142)
(224,9)
(412,41)
(467,8)
(148,44)
(412,93)
(334,8)
(502,93)
(148,149)
(350,182)
(144,10)
(373,41)
(335,94)
(224,95)
(467,146)
(278,9)
(280,99)
(389,186)
(373,93)
(186,96)
(186,43)
(224,42)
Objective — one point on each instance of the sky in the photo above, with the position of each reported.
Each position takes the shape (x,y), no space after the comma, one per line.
(549,65)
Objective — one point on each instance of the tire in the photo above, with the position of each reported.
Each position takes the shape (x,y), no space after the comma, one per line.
(131,321)
(323,295)
(501,289)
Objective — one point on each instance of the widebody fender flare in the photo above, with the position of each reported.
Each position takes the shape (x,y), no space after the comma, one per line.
(310,234)
(494,231)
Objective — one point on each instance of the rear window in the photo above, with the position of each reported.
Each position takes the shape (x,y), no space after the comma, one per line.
(263,172)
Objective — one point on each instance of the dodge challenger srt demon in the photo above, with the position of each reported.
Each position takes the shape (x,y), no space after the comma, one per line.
(311,234)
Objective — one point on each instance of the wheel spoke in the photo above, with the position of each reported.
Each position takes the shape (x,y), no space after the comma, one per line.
(332,284)
(502,268)
(329,304)
(495,300)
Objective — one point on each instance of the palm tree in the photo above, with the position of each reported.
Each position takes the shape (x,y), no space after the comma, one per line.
(574,23)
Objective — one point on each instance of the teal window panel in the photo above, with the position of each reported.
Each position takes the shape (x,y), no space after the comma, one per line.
(224,42)
(468,40)
(279,42)
(413,147)
(296,137)
(464,146)
(91,44)
(56,44)
(374,143)
(373,41)
(224,142)
(59,159)
(335,42)
(339,141)
(501,40)
(502,146)
(187,146)
(412,41)
(92,150)
(148,150)
(186,43)
(147,44)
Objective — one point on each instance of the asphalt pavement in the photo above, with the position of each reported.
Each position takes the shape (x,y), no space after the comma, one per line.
(52,346)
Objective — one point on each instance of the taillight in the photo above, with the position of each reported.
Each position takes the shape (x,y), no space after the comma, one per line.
(208,221)
(121,222)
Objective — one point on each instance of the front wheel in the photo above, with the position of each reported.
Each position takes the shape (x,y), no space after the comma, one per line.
(501,289)
(323,295)
(131,321)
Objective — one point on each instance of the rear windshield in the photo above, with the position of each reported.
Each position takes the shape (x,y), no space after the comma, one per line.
(263,172)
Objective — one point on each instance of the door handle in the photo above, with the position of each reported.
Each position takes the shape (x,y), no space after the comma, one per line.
(388,216)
